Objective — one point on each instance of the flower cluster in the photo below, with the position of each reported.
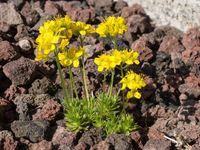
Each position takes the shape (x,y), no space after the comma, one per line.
(111,27)
(55,36)
(81,28)
(52,33)
(133,82)
(110,61)
(71,57)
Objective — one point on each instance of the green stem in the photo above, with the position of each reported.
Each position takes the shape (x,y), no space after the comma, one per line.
(61,77)
(114,40)
(104,80)
(121,69)
(111,83)
(84,79)
(73,87)
(122,75)
(84,73)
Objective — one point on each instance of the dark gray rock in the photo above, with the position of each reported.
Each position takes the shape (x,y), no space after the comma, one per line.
(91,137)
(34,130)
(42,86)
(25,102)
(120,142)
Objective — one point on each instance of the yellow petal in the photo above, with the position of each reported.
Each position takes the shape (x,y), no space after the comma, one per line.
(137,95)
(76,63)
(137,62)
(83,32)
(129,94)
(100,68)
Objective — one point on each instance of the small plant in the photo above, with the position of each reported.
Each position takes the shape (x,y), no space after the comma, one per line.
(104,110)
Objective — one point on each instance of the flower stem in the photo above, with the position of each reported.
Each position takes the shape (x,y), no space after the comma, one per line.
(84,73)
(61,78)
(111,83)
(122,76)
(73,87)
(84,79)
(114,40)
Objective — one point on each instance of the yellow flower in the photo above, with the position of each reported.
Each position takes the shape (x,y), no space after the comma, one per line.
(110,61)
(106,62)
(70,57)
(133,93)
(81,28)
(130,57)
(53,34)
(133,82)
(111,27)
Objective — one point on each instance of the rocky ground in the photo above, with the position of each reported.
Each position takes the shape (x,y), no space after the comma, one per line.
(31,114)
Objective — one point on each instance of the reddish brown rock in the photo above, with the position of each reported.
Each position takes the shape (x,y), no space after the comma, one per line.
(49,111)
(31,15)
(191,86)
(47,68)
(22,31)
(141,46)
(191,56)
(135,9)
(195,147)
(1,72)
(102,3)
(149,89)
(155,134)
(171,44)
(191,133)
(7,140)
(13,91)
(4,27)
(197,108)
(137,138)
(158,144)
(43,145)
(21,71)
(138,24)
(102,146)
(64,137)
(160,112)
(51,8)
(84,15)
(191,38)
(7,52)
(9,14)
(4,105)
(81,146)
(69,5)
(192,81)
(119,5)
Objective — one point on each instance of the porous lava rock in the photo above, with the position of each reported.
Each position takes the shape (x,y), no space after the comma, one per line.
(21,71)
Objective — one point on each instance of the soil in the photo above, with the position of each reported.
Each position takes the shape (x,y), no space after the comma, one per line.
(31,111)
